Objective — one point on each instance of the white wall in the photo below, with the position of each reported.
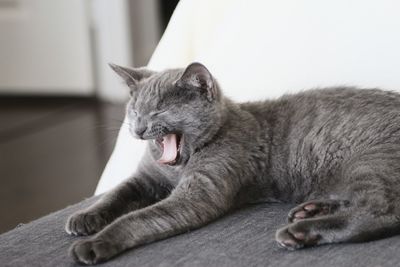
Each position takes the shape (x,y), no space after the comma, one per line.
(125,33)
(145,26)
(45,47)
(112,43)
(63,47)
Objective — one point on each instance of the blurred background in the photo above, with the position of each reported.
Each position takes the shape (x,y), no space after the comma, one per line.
(60,105)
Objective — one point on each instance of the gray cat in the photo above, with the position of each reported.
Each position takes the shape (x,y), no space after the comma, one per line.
(336,151)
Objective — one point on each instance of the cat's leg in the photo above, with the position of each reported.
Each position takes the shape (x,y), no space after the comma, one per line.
(193,203)
(354,227)
(370,185)
(316,208)
(137,192)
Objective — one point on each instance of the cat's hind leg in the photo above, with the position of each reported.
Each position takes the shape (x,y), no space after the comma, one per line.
(309,232)
(316,208)
(337,228)
(370,185)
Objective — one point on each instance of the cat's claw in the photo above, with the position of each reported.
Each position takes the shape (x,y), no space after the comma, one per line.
(80,224)
(314,208)
(92,251)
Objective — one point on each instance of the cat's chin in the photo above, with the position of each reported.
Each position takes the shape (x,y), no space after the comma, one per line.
(170,145)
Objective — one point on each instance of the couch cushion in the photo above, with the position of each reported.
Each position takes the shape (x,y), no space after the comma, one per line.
(243,238)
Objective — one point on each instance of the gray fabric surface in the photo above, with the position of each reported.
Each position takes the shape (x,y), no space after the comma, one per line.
(243,238)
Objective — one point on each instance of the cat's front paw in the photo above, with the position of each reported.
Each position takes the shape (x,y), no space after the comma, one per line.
(92,251)
(83,223)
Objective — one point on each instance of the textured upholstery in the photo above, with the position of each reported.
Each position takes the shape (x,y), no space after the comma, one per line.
(242,238)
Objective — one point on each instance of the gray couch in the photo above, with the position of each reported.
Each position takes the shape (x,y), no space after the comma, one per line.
(243,238)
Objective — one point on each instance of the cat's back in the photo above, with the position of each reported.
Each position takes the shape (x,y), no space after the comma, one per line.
(344,110)
(322,108)
(317,129)
(321,129)
(346,99)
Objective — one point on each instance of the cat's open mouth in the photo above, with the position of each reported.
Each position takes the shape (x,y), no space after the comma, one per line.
(171,147)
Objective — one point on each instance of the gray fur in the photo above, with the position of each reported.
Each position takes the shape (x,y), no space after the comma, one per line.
(334,151)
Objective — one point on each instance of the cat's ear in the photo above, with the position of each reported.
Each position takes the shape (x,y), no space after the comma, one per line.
(131,75)
(197,76)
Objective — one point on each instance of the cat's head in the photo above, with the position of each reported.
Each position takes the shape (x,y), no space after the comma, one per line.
(178,109)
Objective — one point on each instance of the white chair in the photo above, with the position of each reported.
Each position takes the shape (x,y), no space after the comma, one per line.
(262,49)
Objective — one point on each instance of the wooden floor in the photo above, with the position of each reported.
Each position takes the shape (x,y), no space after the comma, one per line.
(52,153)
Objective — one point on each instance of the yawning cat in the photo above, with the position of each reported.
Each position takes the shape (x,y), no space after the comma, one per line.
(336,151)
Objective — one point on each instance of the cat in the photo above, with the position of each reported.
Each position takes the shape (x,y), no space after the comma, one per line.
(335,152)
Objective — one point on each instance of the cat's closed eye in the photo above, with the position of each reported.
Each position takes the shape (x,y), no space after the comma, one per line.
(157,113)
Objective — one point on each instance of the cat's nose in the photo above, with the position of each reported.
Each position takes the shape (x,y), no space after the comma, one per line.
(140,131)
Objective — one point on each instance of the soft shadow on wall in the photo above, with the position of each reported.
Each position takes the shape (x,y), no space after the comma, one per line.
(144,40)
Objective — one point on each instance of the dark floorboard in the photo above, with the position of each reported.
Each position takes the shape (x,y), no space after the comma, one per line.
(52,153)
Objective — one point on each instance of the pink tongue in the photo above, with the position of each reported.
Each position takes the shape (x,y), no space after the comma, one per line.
(170,151)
